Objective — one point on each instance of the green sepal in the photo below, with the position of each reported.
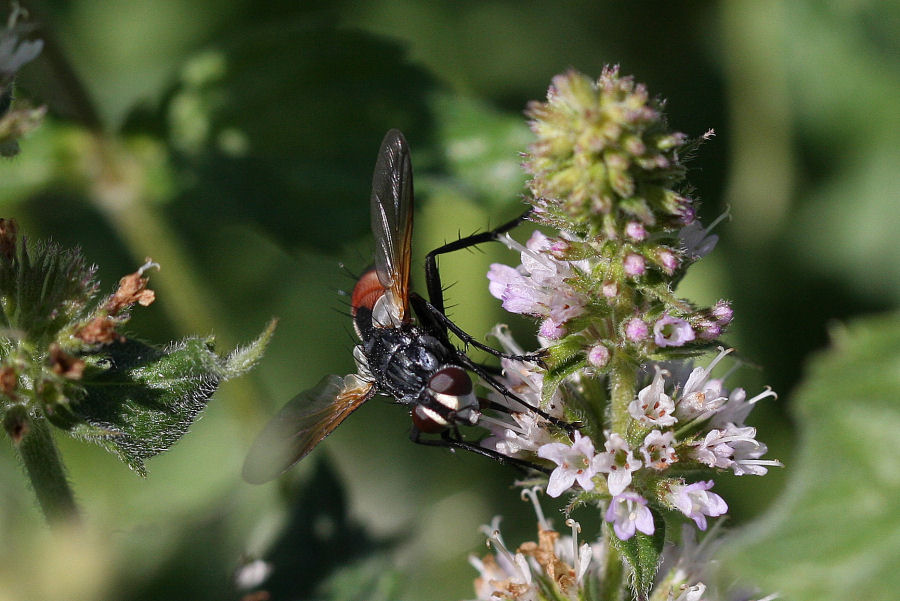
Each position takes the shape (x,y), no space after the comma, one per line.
(590,400)
(564,359)
(642,552)
(611,587)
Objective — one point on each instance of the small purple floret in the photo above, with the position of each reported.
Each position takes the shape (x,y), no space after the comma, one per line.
(671,331)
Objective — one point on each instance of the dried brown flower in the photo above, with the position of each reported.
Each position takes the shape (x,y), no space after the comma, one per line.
(16,423)
(64,364)
(100,330)
(9,380)
(132,289)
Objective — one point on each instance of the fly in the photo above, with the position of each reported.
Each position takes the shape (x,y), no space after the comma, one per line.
(411,361)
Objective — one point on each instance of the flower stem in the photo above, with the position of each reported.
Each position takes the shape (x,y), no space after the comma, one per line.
(48,477)
(613,576)
(623,377)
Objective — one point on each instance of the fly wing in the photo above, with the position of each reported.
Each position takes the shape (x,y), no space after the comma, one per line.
(302,424)
(392,216)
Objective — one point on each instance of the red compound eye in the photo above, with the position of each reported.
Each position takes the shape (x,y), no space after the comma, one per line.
(451,380)
(425,423)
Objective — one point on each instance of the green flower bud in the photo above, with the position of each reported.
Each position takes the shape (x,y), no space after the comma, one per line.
(604,156)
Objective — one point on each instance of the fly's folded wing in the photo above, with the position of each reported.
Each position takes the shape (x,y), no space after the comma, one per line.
(392,217)
(302,424)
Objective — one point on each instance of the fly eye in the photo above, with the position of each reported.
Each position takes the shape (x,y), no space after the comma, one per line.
(451,380)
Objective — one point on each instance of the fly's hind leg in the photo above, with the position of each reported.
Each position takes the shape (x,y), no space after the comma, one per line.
(437,323)
(451,441)
(569,427)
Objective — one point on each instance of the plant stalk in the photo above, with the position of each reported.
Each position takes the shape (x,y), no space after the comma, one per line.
(623,378)
(45,470)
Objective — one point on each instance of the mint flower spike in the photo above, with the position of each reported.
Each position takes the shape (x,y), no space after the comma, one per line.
(620,232)
(66,361)
(605,156)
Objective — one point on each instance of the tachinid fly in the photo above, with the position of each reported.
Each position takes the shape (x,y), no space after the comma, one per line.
(411,361)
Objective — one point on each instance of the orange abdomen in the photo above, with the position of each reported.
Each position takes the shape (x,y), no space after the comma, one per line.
(366,291)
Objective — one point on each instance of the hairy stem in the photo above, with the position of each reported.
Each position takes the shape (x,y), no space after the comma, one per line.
(45,470)
(623,377)
(613,576)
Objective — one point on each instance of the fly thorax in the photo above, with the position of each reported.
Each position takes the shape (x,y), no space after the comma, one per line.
(407,364)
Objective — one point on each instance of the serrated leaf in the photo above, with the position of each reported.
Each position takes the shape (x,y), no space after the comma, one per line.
(835,534)
(142,400)
(642,552)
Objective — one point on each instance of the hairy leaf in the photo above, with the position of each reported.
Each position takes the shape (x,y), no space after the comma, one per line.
(836,532)
(642,552)
(139,400)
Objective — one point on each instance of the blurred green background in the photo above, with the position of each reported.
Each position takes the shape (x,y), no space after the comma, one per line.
(233,142)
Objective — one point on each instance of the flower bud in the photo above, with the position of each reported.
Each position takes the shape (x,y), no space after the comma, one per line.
(636,231)
(634,265)
(551,330)
(598,356)
(636,329)
(722,312)
(667,260)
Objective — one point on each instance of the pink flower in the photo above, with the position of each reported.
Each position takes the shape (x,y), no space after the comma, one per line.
(574,462)
(628,512)
(538,287)
(671,331)
(696,502)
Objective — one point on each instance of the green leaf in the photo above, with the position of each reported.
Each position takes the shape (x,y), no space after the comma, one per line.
(219,119)
(482,150)
(642,552)
(139,400)
(835,534)
(244,358)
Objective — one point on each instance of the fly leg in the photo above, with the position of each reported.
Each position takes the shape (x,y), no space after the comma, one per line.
(499,387)
(456,441)
(437,323)
(433,277)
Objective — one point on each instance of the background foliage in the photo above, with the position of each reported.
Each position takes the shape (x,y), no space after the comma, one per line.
(237,145)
